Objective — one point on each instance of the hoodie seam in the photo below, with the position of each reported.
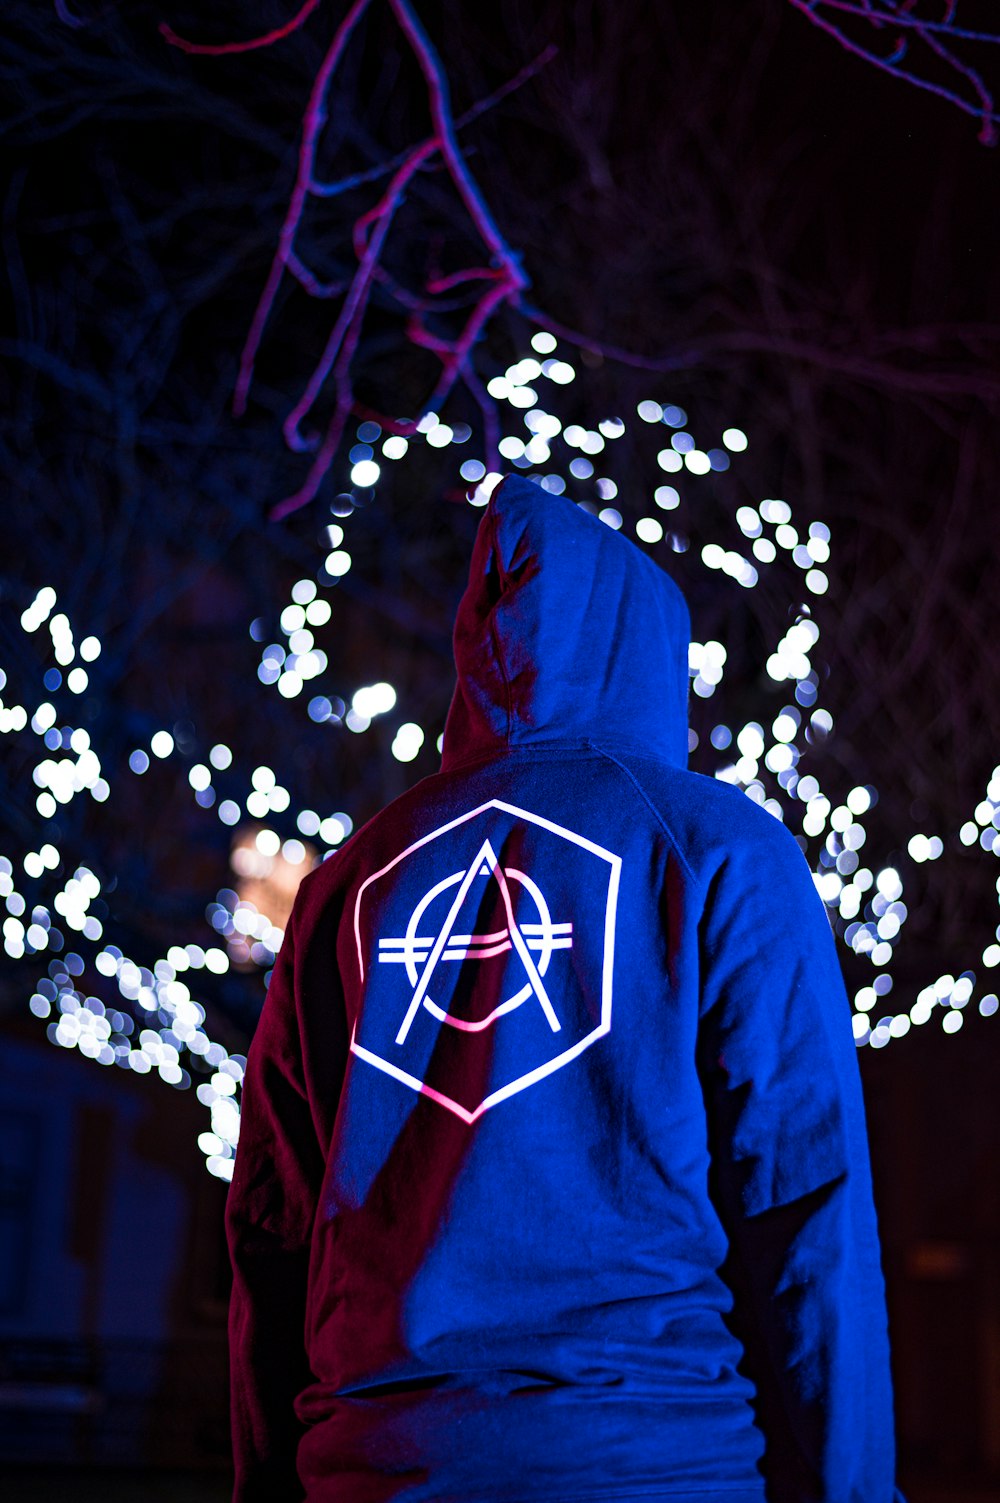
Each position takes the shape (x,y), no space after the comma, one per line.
(657,815)
(494,636)
(559,746)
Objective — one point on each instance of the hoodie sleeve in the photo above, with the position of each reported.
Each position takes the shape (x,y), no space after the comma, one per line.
(791,1177)
(269,1216)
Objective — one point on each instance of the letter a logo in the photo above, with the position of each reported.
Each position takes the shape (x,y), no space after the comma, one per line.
(469,996)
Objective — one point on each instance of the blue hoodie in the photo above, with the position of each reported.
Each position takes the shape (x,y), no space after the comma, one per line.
(553,1180)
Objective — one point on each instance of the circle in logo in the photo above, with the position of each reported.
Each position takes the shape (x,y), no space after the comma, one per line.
(479,947)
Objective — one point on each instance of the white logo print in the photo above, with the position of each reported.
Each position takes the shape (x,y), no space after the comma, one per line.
(478,944)
(447,945)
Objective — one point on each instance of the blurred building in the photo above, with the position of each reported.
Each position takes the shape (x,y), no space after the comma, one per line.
(113,1273)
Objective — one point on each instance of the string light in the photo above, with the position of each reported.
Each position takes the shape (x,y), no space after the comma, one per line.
(158,1026)
(866,906)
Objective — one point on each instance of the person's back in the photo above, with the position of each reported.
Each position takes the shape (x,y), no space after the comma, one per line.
(556,1059)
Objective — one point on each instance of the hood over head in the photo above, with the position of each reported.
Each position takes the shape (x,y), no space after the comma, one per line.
(566,632)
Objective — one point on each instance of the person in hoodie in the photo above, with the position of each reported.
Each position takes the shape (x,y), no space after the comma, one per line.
(553,1180)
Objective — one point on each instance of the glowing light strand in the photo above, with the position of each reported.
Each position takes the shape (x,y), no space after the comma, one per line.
(160,1023)
(174,1022)
(871,926)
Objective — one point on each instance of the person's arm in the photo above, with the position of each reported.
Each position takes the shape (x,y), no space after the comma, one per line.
(791,1178)
(269,1217)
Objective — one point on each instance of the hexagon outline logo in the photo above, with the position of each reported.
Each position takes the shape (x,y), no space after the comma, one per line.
(419,955)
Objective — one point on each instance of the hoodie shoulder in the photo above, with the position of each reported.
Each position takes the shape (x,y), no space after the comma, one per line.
(711,823)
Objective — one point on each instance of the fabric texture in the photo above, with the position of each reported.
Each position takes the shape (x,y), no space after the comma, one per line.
(553,1179)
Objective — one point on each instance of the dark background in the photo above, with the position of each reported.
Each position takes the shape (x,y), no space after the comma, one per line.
(727,211)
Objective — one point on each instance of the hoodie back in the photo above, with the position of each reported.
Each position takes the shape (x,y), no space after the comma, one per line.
(553,1179)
